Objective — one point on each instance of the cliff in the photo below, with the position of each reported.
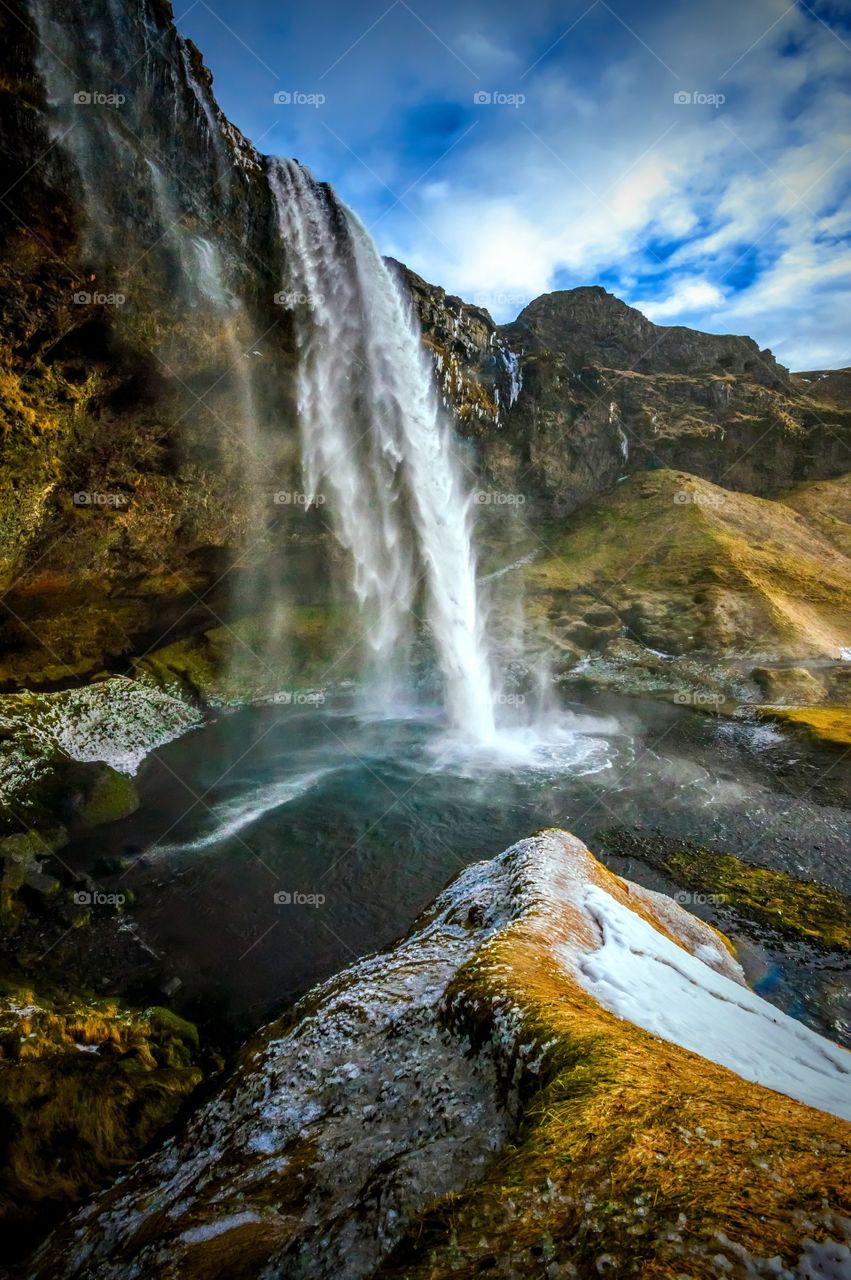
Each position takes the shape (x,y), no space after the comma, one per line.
(148,366)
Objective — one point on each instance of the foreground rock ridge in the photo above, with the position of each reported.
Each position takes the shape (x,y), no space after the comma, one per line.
(467,1102)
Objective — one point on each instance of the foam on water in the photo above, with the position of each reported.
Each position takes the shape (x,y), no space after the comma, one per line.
(234,815)
(555,744)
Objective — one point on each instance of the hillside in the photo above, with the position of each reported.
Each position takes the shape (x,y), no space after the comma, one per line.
(683,565)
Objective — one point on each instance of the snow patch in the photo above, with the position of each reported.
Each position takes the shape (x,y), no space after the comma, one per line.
(643,977)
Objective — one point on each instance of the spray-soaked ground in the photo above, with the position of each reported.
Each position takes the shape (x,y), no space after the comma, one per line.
(278,844)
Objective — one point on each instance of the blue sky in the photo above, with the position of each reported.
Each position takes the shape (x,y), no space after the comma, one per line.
(505,149)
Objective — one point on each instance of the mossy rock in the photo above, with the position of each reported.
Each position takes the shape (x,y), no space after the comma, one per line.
(85,1085)
(113,796)
(825,724)
(308,644)
(689,566)
(795,908)
(789,686)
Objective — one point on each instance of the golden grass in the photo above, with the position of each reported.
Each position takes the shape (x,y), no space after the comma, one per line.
(827,724)
(703,566)
(631,1150)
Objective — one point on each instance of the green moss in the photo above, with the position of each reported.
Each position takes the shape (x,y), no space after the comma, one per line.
(826,724)
(113,796)
(307,645)
(687,565)
(794,907)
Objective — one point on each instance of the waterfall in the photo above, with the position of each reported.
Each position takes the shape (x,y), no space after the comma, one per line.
(377,446)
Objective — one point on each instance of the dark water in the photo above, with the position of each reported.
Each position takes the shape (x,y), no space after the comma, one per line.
(362,822)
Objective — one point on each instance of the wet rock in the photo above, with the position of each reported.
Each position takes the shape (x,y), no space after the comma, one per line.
(789,685)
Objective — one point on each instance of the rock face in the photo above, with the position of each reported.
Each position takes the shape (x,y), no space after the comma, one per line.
(582,389)
(142,341)
(515,1084)
(590,326)
(148,359)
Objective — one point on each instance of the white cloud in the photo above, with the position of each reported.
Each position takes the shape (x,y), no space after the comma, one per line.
(596,177)
(689,297)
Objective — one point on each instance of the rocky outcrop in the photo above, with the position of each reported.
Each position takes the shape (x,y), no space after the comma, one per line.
(599,392)
(475,367)
(606,393)
(556,1068)
(590,326)
(145,336)
(65,765)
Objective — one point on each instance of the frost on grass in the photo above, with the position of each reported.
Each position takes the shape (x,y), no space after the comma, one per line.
(644,977)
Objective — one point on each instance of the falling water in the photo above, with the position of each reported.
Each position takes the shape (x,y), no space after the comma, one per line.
(377,444)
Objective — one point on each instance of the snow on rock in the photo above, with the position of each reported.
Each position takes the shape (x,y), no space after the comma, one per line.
(644,977)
